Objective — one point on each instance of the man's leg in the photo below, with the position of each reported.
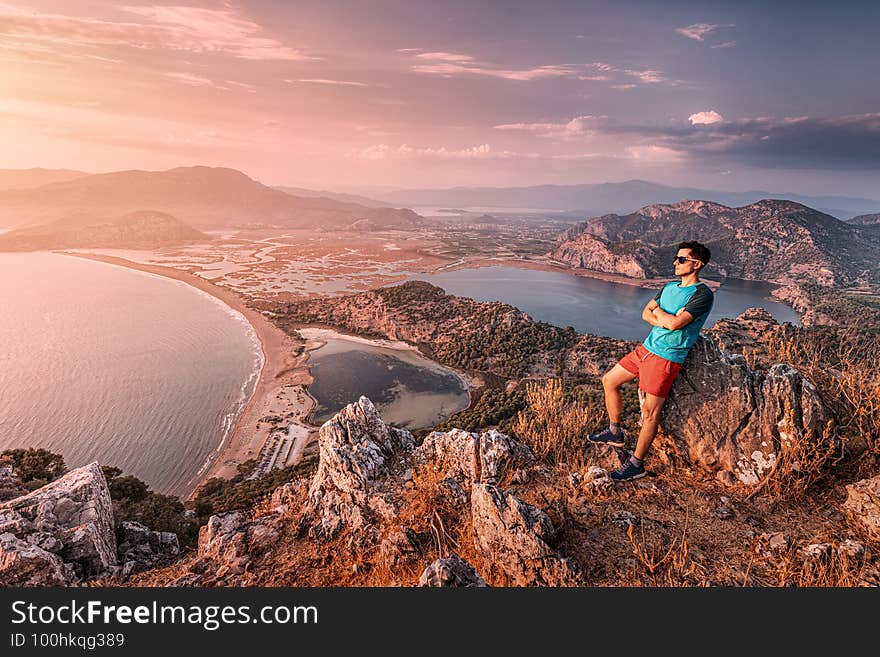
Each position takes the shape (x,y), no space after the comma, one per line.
(650,420)
(611,382)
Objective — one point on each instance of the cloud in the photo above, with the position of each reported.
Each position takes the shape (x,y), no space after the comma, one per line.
(596,78)
(194,80)
(343,83)
(191,29)
(699,31)
(845,142)
(705,118)
(624,86)
(454,64)
(386,152)
(445,57)
(649,76)
(726,44)
(579,126)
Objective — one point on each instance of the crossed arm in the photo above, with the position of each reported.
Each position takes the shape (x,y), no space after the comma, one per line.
(656,316)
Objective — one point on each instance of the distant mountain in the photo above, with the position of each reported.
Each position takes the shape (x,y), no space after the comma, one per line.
(144,229)
(199,196)
(866,220)
(606,198)
(335,196)
(771,240)
(30,178)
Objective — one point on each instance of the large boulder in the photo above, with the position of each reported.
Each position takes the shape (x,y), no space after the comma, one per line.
(25,564)
(471,457)
(515,537)
(862,506)
(72,517)
(356,450)
(723,416)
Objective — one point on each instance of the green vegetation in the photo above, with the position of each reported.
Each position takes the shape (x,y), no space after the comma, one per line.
(241,494)
(494,408)
(34,467)
(846,308)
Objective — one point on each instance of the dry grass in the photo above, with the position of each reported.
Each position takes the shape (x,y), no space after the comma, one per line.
(551,426)
(666,563)
(851,388)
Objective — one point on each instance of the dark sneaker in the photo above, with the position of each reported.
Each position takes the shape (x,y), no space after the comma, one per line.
(628,472)
(608,437)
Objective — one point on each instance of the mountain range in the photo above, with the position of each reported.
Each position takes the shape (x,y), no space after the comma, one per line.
(606,198)
(201,197)
(772,240)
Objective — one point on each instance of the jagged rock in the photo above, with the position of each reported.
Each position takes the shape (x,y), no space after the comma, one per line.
(141,548)
(862,506)
(224,537)
(356,449)
(452,571)
(595,479)
(76,510)
(453,492)
(25,564)
(722,415)
(606,457)
(515,538)
(400,546)
(262,536)
(287,496)
(471,457)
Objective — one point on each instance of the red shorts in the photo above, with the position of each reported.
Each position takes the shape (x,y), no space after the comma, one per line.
(656,374)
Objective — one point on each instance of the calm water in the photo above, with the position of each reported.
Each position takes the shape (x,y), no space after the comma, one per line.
(407,389)
(592,305)
(110,364)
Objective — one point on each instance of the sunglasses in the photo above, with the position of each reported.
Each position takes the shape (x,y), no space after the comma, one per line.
(683,259)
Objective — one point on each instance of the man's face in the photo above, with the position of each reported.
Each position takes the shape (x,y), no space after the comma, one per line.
(689,266)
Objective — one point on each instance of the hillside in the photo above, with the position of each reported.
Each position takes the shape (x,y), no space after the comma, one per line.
(865,220)
(606,198)
(202,197)
(772,240)
(30,178)
(144,229)
(335,196)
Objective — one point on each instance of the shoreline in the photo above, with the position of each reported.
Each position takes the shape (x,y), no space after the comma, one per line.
(283,367)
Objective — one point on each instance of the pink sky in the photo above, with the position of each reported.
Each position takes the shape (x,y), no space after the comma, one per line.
(390,94)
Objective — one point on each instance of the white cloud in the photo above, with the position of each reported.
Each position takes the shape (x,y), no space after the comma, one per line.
(726,44)
(386,152)
(453,64)
(705,118)
(344,83)
(578,127)
(190,29)
(699,31)
(649,76)
(653,153)
(624,86)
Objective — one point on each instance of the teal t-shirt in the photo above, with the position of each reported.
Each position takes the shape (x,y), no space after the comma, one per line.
(697,299)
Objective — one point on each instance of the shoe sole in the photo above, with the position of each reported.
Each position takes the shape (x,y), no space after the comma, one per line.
(633,478)
(613,443)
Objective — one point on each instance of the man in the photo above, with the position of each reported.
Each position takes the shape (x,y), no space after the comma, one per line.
(677,314)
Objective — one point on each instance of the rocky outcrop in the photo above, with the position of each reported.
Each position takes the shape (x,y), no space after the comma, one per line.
(723,416)
(771,240)
(515,537)
(862,506)
(25,564)
(69,520)
(473,458)
(587,251)
(141,548)
(452,571)
(356,449)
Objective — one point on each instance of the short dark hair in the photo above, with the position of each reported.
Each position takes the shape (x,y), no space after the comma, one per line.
(699,251)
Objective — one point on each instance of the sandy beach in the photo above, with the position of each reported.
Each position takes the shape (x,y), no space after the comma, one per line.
(280,389)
